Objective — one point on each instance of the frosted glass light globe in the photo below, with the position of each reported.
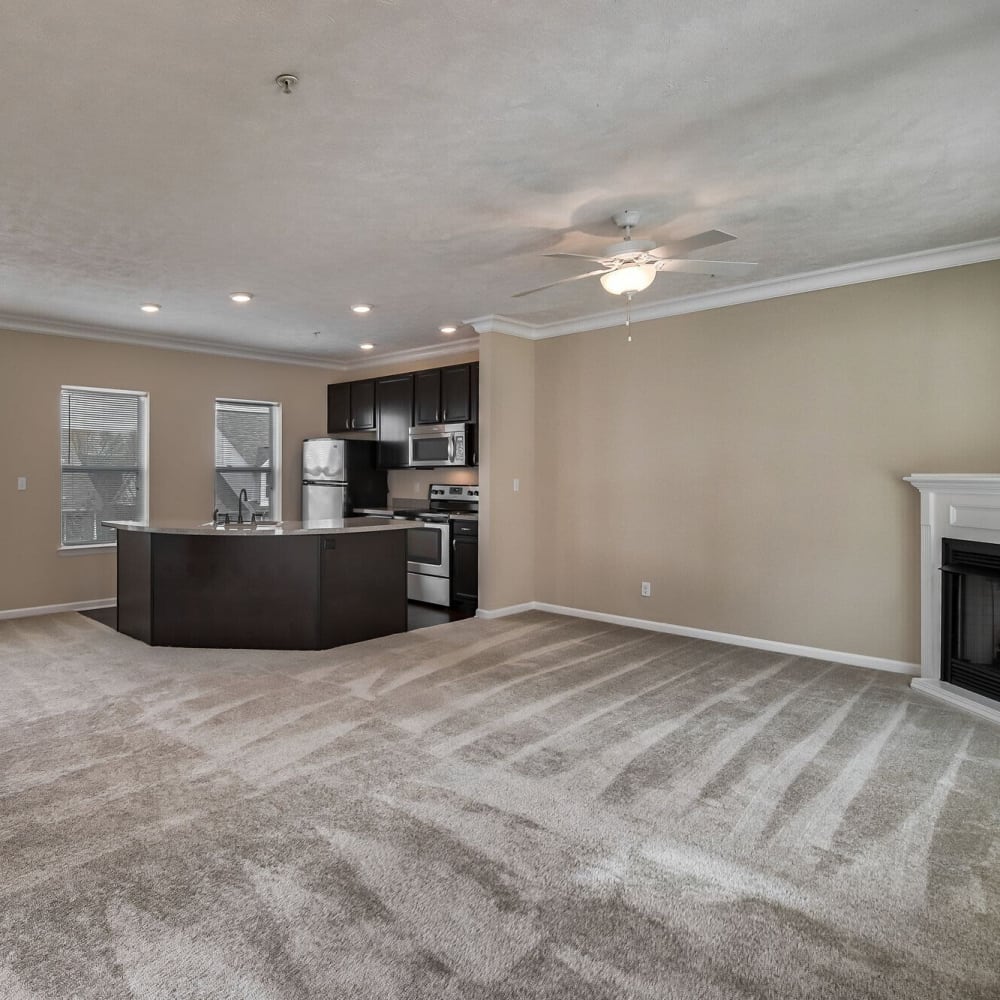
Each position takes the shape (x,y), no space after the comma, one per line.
(630,278)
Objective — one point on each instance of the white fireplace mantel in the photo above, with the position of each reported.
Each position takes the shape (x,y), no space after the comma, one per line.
(952,505)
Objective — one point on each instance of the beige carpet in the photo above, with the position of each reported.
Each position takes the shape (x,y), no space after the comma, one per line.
(535,807)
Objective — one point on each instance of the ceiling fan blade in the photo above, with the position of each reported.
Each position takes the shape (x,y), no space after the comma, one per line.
(680,248)
(575,277)
(725,268)
(575,256)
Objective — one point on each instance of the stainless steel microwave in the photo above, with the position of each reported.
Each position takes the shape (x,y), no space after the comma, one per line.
(437,445)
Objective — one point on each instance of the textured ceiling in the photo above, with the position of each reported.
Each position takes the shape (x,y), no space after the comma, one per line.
(433,151)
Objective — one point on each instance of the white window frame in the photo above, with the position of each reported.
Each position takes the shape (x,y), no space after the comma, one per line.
(275,512)
(143,464)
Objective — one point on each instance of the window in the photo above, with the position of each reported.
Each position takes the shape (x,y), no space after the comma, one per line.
(247,454)
(103,447)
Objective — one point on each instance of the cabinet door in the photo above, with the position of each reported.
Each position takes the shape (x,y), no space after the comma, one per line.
(394,406)
(474,392)
(338,407)
(455,401)
(427,397)
(363,405)
(464,569)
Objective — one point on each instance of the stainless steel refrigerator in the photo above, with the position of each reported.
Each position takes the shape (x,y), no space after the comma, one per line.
(339,475)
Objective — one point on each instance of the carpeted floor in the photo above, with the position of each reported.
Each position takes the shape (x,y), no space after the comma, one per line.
(534,807)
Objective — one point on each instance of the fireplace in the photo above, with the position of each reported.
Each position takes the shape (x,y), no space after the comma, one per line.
(960,590)
(970,615)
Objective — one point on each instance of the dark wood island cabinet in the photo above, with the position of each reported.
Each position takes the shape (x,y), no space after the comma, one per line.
(292,587)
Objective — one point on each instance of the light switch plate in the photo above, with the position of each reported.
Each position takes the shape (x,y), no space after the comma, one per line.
(22,483)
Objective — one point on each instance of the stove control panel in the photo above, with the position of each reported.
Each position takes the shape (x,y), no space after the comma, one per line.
(447,491)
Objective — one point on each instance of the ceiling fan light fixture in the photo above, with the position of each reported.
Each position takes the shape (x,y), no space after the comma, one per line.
(629,278)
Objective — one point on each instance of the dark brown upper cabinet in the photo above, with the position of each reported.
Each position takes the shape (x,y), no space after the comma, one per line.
(442,395)
(456,400)
(350,406)
(394,405)
(474,392)
(427,396)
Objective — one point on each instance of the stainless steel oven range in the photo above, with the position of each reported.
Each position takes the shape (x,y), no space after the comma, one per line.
(428,544)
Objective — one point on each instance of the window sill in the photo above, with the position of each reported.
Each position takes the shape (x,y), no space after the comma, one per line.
(86,550)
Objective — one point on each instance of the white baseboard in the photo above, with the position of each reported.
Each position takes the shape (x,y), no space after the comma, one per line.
(56,609)
(958,697)
(791,649)
(513,609)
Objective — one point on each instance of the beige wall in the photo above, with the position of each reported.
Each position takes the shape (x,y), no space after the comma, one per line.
(506,451)
(182,388)
(747,461)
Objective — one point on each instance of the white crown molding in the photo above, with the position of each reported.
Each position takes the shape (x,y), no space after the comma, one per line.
(769,645)
(141,338)
(795,284)
(408,354)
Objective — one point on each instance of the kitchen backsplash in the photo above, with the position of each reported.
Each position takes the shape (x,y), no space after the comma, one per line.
(416,482)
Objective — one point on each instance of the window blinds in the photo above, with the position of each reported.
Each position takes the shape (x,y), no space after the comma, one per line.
(103,456)
(245,456)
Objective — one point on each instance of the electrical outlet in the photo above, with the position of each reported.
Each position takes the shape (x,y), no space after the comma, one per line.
(647,588)
(517,485)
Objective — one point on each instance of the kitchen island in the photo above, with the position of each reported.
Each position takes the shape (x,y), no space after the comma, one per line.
(290,585)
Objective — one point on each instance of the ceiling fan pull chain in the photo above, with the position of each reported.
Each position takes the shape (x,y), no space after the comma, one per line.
(628,315)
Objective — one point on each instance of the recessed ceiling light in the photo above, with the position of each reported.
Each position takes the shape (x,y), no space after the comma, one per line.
(367,347)
(241,297)
(149,307)
(361,309)
(448,329)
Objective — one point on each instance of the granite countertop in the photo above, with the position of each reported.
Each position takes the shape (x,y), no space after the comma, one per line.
(466,516)
(334,526)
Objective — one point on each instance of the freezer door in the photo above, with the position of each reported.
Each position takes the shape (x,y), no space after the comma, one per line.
(322,501)
(323,460)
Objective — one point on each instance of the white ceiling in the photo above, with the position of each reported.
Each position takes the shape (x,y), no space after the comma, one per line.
(433,151)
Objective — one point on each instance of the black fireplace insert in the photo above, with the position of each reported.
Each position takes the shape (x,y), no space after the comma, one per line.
(970,615)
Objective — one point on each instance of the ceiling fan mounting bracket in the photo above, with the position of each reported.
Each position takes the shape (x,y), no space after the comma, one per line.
(628,219)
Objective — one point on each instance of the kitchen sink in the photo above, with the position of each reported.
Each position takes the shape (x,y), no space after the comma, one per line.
(246,526)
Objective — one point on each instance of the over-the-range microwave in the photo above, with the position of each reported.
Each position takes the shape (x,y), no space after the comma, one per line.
(437,445)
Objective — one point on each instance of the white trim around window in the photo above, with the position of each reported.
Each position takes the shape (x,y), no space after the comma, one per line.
(248,456)
(104,464)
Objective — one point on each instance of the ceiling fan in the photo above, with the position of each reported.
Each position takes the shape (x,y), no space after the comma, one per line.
(631,265)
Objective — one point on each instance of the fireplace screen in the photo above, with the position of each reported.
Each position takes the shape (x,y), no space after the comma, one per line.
(970,616)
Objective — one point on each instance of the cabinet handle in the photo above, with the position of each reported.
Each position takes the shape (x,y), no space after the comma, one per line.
(352,423)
